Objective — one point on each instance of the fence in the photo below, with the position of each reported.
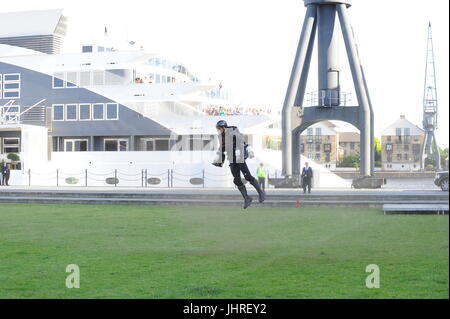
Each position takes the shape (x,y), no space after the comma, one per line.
(144,178)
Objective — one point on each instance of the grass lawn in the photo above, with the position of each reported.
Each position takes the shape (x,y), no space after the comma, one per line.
(219,252)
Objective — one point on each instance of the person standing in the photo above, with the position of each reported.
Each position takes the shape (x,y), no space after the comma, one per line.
(261,173)
(2,165)
(307,175)
(231,143)
(6,172)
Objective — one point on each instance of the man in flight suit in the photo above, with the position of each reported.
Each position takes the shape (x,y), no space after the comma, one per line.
(232,144)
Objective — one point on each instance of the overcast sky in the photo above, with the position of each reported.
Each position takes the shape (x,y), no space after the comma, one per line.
(250,45)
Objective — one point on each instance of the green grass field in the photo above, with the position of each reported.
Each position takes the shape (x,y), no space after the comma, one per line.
(219,252)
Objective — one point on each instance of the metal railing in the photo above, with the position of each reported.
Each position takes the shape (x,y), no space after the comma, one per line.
(144,178)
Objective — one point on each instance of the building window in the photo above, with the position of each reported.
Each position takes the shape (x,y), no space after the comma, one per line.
(406,157)
(11,145)
(116,145)
(317,157)
(86,48)
(98,111)
(112,111)
(71,112)
(77,145)
(11,114)
(58,80)
(389,147)
(327,148)
(399,157)
(85,78)
(155,144)
(310,147)
(406,147)
(317,147)
(71,79)
(318,135)
(98,77)
(302,148)
(327,158)
(398,134)
(11,86)
(85,112)
(58,112)
(309,135)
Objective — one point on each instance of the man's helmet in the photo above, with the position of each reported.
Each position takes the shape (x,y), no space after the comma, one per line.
(221,123)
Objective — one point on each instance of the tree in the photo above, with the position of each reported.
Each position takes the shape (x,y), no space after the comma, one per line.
(350,161)
(444,157)
(377,145)
(13,157)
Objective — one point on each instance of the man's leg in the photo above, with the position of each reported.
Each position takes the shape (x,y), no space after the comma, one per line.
(236,172)
(309,185)
(248,176)
(262,182)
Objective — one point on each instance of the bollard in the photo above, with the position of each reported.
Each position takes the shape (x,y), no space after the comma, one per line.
(146,179)
(297,204)
(115,177)
(85,177)
(29,177)
(57,177)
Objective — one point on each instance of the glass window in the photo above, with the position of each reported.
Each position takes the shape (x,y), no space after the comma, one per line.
(72,79)
(13,94)
(11,145)
(76,145)
(406,157)
(123,145)
(161,145)
(11,77)
(148,145)
(98,77)
(8,86)
(71,112)
(112,111)
(399,157)
(58,80)
(98,112)
(85,78)
(58,112)
(114,145)
(111,145)
(317,147)
(85,112)
(86,48)
(317,157)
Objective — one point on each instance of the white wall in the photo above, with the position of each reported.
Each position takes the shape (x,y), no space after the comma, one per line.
(129,168)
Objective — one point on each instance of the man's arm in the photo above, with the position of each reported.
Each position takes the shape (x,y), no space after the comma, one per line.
(220,154)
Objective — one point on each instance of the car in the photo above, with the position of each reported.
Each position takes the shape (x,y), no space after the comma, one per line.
(441,180)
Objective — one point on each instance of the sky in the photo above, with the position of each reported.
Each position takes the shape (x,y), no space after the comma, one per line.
(250,45)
